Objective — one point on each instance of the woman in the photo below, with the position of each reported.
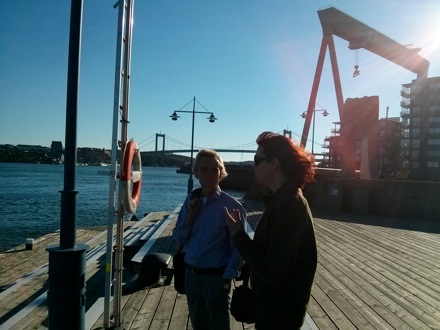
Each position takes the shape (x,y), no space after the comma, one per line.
(282,256)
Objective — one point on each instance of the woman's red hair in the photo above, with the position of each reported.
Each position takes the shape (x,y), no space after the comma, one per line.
(296,163)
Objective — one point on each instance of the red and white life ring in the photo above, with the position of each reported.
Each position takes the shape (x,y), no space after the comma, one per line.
(131,179)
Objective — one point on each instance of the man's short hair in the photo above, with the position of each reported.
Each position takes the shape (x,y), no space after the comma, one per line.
(210,154)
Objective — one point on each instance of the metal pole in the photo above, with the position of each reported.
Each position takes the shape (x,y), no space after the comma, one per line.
(67,262)
(68,194)
(113,172)
(119,253)
(190,180)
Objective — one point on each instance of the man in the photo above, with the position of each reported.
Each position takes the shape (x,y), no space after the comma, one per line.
(212,260)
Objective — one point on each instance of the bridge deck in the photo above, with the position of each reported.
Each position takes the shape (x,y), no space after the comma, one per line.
(370,276)
(177,151)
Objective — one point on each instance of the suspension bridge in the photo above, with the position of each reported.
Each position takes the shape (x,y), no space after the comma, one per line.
(161,143)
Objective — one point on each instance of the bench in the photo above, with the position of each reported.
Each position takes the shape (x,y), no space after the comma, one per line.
(157,261)
(150,237)
(149,267)
(133,235)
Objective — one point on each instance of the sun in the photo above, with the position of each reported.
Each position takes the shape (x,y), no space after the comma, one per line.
(427,35)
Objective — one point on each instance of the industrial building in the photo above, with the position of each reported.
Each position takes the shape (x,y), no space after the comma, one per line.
(409,146)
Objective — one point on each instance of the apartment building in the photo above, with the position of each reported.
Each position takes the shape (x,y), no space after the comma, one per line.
(420,130)
(389,146)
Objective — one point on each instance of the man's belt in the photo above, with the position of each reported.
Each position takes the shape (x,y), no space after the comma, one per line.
(206,271)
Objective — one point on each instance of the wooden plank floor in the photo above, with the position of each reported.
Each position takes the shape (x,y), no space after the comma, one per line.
(373,273)
(370,276)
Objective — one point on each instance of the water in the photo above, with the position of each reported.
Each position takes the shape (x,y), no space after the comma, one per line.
(30,201)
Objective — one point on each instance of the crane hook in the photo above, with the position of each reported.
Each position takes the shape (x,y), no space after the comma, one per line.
(356,66)
(356,71)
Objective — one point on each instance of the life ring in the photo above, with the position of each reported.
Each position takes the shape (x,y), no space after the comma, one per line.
(131,180)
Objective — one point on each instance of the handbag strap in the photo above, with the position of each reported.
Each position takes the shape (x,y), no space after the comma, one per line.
(195,193)
(245,274)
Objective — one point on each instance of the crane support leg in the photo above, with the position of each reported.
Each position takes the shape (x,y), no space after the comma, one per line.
(314,92)
(336,77)
(327,41)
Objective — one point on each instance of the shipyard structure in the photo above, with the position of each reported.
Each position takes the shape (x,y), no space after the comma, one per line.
(361,144)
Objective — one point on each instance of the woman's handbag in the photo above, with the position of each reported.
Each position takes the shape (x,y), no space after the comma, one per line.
(179,266)
(242,303)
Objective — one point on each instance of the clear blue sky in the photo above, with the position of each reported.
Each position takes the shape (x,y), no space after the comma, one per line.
(252,63)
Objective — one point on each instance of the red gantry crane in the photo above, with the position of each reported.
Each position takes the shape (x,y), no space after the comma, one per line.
(359,35)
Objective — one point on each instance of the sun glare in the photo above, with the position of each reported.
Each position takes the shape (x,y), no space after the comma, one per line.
(428,36)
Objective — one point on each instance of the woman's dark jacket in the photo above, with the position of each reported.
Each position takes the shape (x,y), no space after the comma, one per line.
(282,257)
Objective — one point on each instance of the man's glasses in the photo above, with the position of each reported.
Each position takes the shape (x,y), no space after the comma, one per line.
(258,160)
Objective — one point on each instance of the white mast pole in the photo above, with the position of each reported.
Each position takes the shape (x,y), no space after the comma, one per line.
(121,100)
(117,291)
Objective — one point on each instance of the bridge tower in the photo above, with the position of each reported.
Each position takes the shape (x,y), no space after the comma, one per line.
(163,140)
(287,133)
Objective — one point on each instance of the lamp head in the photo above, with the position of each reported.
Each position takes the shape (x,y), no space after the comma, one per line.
(212,118)
(174,116)
(304,115)
(325,113)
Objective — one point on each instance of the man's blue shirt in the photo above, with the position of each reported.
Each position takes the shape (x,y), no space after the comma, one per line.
(207,241)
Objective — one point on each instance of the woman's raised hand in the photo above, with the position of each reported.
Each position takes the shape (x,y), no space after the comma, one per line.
(233,219)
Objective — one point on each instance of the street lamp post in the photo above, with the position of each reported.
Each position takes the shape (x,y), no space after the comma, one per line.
(304,115)
(211,119)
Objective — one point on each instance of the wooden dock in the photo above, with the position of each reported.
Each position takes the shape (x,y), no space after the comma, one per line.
(372,274)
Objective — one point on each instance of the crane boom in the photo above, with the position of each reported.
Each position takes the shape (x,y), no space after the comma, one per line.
(360,35)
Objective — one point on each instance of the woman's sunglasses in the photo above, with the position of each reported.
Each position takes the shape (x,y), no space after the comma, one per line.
(259,159)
